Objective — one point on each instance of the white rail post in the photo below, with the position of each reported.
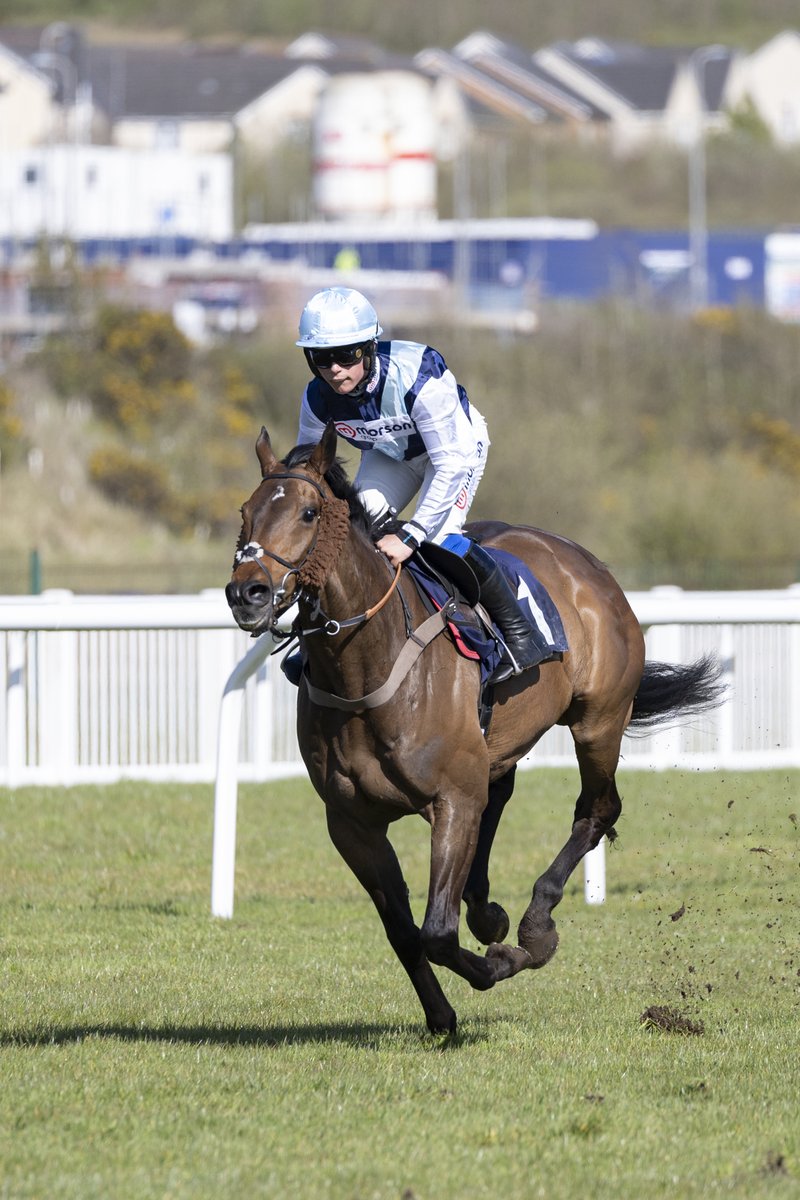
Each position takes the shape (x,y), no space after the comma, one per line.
(56,682)
(226,792)
(726,718)
(594,874)
(16,724)
(216,650)
(794,687)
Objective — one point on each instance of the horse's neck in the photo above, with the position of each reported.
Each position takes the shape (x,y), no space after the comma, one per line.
(360,656)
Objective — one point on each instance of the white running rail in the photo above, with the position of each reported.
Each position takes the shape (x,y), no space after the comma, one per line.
(755,634)
(101,688)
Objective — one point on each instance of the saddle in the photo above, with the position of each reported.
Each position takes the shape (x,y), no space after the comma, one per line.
(444,580)
(440,575)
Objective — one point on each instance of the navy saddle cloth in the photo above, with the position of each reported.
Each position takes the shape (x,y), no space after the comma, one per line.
(471,638)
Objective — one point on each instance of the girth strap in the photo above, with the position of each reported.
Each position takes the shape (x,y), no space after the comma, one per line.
(411,651)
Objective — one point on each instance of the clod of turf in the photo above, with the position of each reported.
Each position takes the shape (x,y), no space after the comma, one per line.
(657,1016)
(775,1165)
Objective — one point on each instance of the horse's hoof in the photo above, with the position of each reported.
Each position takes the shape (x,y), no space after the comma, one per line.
(441,1021)
(507,960)
(541,947)
(487,922)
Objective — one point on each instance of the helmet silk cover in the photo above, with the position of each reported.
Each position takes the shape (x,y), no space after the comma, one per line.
(338,316)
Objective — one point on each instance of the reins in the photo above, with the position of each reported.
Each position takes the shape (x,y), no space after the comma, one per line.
(376,608)
(416,641)
(312,572)
(332,627)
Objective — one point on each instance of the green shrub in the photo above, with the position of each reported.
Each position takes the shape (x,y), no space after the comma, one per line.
(12,430)
(129,479)
(69,365)
(148,343)
(140,378)
(745,120)
(778,443)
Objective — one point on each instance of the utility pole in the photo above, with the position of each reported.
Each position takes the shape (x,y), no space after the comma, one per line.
(698,221)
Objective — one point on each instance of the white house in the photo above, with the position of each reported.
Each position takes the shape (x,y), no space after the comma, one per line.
(697,100)
(26,104)
(176,95)
(83,191)
(645,93)
(201,100)
(769,78)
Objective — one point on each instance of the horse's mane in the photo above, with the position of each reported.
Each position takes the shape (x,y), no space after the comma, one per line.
(337,480)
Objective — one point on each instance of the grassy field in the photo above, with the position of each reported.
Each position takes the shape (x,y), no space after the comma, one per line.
(147,1050)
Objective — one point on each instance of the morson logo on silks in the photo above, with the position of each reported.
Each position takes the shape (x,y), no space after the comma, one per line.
(463,497)
(374,431)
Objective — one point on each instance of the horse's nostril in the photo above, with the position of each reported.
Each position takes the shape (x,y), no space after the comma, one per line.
(252,593)
(255,593)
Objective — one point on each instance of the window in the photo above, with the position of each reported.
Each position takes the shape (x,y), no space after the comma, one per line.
(167,135)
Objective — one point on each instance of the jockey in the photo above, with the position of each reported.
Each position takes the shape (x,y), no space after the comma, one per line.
(399,404)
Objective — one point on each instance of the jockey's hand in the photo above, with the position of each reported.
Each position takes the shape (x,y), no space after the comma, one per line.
(395,550)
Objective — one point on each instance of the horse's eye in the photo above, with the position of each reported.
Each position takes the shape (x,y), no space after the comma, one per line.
(308,516)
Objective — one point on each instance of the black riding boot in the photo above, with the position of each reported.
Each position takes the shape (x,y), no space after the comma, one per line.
(525,645)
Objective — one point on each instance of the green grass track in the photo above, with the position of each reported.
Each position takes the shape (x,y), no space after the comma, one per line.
(150,1051)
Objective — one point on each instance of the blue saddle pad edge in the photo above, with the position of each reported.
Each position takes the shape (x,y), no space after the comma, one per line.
(529,591)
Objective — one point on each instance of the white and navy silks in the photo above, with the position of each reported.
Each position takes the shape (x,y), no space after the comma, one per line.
(417,432)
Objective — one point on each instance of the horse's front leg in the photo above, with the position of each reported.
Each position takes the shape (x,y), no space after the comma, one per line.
(370,856)
(454,837)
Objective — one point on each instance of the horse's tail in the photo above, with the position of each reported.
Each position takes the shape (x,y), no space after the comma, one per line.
(668,692)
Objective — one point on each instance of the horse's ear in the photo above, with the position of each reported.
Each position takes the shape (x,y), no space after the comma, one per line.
(264,451)
(323,455)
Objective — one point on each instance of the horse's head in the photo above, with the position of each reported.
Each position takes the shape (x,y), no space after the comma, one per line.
(292,529)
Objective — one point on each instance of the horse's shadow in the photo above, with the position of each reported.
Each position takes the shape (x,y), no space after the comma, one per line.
(366,1036)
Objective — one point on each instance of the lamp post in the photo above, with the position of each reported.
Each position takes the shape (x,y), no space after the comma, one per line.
(53,61)
(698,225)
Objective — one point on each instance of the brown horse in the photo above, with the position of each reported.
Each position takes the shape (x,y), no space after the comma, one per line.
(377,751)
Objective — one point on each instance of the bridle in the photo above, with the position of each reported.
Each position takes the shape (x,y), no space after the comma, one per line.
(254,551)
(333,519)
(307,577)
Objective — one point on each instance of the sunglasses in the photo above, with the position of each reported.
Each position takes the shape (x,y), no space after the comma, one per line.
(345,356)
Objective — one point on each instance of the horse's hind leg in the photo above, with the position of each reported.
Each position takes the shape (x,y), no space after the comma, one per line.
(370,856)
(596,811)
(487,921)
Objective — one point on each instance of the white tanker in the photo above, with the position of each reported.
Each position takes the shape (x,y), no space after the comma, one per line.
(374,139)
